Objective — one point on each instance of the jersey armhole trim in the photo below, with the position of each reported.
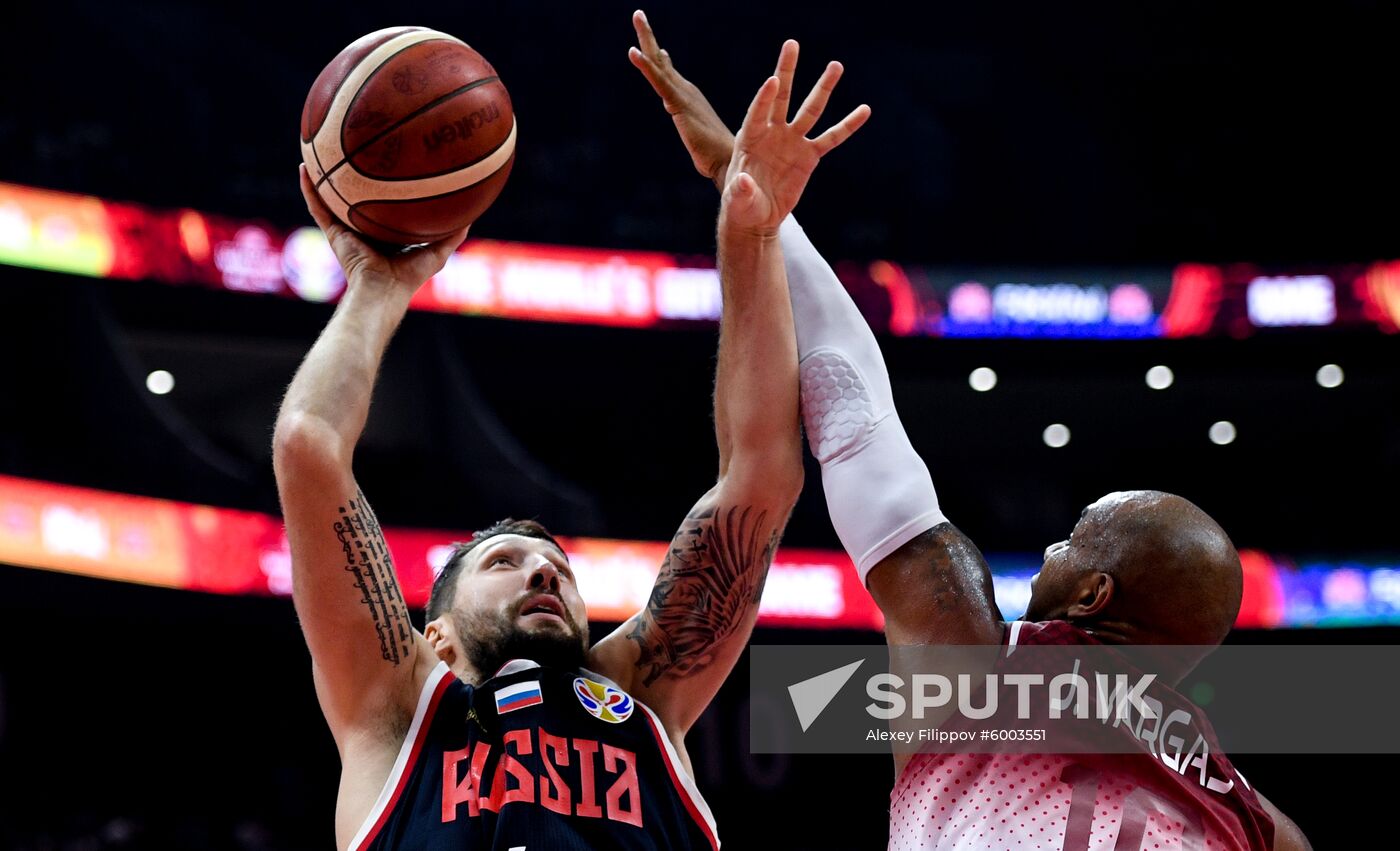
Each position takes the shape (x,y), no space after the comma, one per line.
(438,681)
(1013,635)
(685,785)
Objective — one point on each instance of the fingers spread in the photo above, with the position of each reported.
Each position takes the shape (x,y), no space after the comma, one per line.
(787,67)
(843,130)
(648,68)
(815,103)
(762,104)
(645,37)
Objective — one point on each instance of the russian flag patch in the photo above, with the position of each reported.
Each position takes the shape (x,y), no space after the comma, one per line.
(518,696)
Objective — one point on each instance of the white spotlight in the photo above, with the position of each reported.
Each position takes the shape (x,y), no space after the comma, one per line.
(1055,435)
(1330,376)
(982,379)
(1222,433)
(1160,377)
(160,382)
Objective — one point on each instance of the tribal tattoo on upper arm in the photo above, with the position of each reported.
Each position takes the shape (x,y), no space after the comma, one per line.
(711,580)
(367,559)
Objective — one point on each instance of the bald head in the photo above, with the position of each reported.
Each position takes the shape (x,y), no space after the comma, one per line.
(1175,578)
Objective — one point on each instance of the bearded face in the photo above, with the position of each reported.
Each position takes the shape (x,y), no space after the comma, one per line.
(537,626)
(518,600)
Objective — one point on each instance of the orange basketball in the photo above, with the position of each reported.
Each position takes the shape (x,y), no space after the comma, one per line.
(408,135)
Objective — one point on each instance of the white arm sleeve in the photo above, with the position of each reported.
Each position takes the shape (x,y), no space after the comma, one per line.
(878,490)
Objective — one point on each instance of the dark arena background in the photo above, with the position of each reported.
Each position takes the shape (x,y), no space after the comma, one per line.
(1067,196)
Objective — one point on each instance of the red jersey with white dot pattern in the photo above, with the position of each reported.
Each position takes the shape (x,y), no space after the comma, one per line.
(1072,802)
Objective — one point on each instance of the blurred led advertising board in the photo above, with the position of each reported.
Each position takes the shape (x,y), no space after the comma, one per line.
(202,548)
(219,550)
(88,236)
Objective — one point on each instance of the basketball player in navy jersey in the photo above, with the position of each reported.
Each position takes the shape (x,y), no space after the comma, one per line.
(498,726)
(1140,567)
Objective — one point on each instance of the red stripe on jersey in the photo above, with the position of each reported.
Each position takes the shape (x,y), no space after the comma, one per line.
(661,744)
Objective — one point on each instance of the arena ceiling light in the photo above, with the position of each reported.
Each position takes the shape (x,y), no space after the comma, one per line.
(1330,375)
(1160,377)
(982,379)
(1223,432)
(160,382)
(1056,435)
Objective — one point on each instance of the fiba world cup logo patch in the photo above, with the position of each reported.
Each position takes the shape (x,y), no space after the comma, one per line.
(603,702)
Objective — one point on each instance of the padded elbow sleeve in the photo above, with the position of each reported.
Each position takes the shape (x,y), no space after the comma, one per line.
(878,490)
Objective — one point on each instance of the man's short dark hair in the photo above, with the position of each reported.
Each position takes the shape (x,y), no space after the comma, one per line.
(445,585)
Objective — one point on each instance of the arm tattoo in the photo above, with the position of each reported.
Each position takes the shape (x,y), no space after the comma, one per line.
(711,580)
(367,559)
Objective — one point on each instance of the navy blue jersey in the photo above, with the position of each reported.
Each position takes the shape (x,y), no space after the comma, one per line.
(535,758)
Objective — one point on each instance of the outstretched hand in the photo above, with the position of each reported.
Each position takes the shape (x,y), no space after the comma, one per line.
(361,261)
(773,158)
(708,141)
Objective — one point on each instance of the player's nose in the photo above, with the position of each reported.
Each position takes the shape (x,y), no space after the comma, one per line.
(544,575)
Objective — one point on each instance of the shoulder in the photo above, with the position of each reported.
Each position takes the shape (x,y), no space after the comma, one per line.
(1287,835)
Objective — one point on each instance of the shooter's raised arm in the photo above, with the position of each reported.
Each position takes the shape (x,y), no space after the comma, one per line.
(367,658)
(705,602)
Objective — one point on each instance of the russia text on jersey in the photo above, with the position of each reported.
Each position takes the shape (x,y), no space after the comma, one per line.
(612,792)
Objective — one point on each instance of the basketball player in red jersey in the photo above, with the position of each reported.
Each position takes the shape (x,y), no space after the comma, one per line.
(498,726)
(1140,567)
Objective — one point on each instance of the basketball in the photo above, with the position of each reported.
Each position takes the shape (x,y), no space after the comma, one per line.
(408,135)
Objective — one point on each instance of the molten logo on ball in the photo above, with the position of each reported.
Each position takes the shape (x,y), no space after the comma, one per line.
(462,128)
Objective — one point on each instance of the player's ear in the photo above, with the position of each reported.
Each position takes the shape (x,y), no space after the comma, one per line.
(1092,596)
(439,635)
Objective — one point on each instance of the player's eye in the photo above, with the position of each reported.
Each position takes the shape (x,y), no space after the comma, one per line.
(500,560)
